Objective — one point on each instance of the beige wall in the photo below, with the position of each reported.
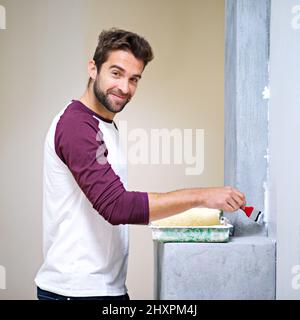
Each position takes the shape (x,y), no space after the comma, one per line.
(43,54)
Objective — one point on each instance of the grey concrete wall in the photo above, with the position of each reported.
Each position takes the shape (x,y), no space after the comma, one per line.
(284,184)
(246,112)
(216,270)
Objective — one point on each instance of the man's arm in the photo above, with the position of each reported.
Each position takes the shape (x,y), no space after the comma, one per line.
(79,145)
(162,205)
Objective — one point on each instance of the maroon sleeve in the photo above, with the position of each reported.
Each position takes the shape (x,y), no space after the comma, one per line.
(76,145)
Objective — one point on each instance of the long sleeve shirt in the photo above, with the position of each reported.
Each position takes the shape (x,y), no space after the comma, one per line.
(86,206)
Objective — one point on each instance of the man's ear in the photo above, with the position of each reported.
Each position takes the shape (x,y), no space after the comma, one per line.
(92,69)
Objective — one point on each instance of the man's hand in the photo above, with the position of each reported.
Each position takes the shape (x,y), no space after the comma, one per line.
(223,198)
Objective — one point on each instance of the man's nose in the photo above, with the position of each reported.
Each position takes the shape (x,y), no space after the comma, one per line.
(124,86)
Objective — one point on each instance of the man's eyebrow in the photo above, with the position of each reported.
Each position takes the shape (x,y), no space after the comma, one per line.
(123,70)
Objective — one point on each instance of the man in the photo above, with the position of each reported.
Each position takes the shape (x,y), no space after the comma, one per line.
(86,208)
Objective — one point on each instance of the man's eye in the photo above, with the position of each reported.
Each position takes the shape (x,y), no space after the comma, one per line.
(134,80)
(116,73)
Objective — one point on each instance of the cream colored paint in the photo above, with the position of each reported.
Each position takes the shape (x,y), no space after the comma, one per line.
(43,57)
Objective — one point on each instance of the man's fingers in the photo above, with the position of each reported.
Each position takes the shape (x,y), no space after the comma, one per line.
(238,196)
(226,198)
(239,201)
(233,204)
(228,207)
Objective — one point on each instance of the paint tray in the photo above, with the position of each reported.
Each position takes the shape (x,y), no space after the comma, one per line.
(215,233)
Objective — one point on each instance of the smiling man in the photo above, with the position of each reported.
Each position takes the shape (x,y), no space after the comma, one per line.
(86,205)
(116,84)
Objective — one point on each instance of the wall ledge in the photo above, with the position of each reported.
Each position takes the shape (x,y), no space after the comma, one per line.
(242,269)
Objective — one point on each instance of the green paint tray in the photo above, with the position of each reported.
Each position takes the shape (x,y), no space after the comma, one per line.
(216,233)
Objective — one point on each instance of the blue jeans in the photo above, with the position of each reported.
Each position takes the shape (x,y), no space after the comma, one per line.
(47,295)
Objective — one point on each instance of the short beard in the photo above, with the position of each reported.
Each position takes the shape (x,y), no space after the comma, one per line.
(104,100)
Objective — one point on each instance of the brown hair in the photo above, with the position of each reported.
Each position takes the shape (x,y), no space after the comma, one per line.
(118,39)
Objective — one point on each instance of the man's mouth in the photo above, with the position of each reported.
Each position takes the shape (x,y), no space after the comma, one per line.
(119,96)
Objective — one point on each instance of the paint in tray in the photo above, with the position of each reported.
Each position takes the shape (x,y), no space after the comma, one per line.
(217,233)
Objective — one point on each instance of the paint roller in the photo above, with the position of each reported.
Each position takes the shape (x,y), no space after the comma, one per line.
(192,217)
(205,217)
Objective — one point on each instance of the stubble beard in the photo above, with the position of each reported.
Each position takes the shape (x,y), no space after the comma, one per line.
(104,100)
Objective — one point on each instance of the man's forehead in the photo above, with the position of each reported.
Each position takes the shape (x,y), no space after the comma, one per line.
(125,60)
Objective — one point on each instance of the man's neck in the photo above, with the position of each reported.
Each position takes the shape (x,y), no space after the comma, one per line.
(89,100)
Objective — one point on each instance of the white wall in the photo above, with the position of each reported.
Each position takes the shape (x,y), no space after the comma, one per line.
(284,127)
(43,55)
